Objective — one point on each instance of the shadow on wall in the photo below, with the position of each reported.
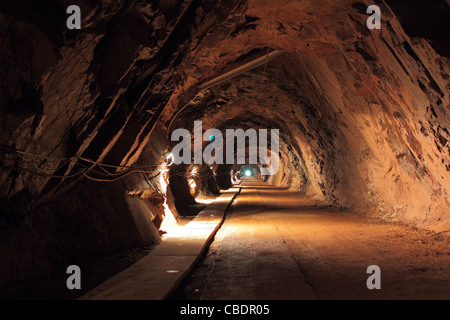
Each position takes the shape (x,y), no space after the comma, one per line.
(94,218)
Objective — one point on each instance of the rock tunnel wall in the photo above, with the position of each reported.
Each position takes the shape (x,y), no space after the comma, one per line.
(96,95)
(366,111)
(364,115)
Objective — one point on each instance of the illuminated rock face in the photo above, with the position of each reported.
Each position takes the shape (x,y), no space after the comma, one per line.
(363,114)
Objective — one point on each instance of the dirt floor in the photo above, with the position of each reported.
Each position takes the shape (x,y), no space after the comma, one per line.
(274,244)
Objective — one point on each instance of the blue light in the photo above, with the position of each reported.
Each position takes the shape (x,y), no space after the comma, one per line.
(248,173)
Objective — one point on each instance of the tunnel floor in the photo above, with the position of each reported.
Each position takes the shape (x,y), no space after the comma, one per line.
(275,244)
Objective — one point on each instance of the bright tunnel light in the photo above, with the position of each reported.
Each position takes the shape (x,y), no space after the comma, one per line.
(248,173)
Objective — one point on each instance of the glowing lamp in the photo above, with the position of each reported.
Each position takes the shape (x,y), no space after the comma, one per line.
(169,158)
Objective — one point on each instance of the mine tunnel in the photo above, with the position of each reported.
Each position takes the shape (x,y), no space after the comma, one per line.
(117,134)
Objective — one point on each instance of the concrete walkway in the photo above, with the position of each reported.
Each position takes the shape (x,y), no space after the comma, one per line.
(156,275)
(275,244)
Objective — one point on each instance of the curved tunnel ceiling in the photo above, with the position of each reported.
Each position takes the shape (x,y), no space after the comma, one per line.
(352,101)
(335,95)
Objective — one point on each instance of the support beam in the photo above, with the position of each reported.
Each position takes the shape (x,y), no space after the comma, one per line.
(246,67)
